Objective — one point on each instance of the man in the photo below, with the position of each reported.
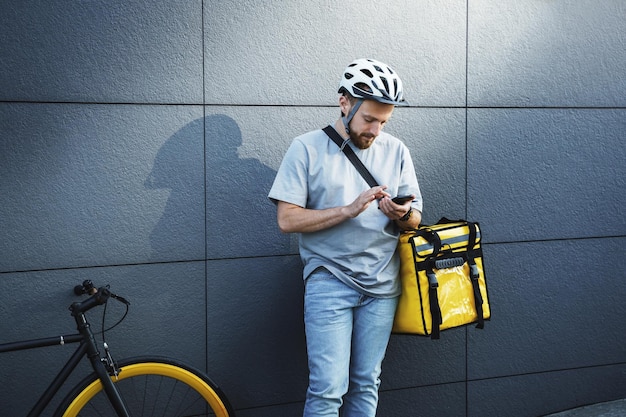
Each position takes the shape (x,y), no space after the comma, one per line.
(348,236)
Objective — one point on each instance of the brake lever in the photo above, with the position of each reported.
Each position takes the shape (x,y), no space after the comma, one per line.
(121,299)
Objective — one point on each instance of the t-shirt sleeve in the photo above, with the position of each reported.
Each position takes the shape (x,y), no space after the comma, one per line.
(291,182)
(408,181)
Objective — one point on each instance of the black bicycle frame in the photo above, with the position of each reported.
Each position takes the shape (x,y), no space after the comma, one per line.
(87,347)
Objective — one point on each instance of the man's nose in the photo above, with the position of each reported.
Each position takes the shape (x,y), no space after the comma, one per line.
(376,128)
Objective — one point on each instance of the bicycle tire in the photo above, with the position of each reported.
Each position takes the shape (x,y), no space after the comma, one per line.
(149,384)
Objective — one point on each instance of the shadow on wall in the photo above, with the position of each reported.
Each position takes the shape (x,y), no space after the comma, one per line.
(240,220)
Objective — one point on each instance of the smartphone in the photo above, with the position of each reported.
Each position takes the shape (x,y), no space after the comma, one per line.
(401,199)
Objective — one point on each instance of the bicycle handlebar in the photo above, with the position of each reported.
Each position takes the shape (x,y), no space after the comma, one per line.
(98,296)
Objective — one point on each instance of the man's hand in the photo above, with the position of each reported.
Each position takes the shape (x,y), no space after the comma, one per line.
(392,210)
(397,211)
(366,198)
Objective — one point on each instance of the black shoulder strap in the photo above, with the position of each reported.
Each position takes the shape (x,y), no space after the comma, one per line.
(475,274)
(332,133)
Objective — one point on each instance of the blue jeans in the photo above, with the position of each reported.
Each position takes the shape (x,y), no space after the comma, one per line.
(347,335)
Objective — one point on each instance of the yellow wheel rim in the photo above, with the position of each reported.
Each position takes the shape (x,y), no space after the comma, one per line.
(151,368)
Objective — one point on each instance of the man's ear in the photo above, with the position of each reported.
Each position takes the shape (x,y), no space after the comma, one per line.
(344,104)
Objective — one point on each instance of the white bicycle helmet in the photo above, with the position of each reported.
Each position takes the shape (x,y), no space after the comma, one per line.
(372,80)
(368,79)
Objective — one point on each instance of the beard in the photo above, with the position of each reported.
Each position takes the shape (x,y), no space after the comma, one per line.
(362,140)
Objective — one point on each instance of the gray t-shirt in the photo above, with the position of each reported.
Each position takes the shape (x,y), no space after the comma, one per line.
(316,174)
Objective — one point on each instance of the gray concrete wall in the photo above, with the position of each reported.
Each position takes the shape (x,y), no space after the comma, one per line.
(138,141)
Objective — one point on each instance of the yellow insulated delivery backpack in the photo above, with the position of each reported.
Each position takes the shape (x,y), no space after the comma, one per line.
(443,281)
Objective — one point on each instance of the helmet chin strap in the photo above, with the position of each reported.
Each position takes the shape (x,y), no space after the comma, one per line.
(347,119)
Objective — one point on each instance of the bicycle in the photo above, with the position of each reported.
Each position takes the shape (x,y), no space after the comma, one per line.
(140,386)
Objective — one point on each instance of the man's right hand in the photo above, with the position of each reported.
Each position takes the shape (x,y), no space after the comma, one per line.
(296,219)
(366,198)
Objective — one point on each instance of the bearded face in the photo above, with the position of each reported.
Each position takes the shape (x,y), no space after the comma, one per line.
(367,122)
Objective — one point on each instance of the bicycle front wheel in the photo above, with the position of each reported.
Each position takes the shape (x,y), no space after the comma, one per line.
(150,386)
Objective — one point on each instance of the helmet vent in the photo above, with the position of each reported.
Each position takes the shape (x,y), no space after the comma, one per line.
(363,87)
(368,73)
(384,80)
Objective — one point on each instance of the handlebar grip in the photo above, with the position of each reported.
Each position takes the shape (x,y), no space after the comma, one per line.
(79,290)
(86,287)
